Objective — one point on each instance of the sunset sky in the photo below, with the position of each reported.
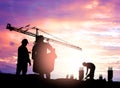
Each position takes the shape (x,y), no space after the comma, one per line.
(93,25)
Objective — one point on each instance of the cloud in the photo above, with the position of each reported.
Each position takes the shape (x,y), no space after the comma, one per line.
(90,24)
(7,68)
(10,41)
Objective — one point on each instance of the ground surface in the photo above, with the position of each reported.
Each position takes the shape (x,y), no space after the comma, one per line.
(33,81)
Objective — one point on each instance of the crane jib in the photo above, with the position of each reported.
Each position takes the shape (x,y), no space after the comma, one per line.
(34,35)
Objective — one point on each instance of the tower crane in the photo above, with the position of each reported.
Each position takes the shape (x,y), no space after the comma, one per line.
(20,30)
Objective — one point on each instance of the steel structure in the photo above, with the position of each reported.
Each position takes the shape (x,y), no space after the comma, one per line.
(20,30)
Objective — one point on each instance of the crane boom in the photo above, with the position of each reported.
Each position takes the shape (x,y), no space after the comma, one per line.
(34,35)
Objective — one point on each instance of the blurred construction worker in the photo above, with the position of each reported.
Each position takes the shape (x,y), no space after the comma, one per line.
(90,70)
(43,55)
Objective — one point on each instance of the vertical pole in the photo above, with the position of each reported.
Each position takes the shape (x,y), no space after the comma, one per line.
(36,33)
(81,73)
(110,74)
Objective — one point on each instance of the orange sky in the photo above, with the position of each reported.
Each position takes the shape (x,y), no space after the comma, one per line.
(92,25)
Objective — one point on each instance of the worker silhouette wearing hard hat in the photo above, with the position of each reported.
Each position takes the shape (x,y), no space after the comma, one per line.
(43,55)
(23,58)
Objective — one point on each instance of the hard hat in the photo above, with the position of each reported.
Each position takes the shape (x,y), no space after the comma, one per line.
(24,41)
(39,38)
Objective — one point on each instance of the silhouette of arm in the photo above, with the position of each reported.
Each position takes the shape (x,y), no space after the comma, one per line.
(34,49)
(28,57)
(87,71)
(50,47)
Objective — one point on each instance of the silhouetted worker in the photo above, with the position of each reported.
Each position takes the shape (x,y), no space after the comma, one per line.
(23,58)
(43,55)
(91,68)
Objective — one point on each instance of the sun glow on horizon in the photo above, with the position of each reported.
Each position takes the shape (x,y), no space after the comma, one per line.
(92,25)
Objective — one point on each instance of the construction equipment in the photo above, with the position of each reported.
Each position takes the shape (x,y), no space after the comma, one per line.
(11,28)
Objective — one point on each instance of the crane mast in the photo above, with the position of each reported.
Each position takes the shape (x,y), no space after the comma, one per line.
(20,30)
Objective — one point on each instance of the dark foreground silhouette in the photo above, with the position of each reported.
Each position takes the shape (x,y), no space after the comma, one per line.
(33,81)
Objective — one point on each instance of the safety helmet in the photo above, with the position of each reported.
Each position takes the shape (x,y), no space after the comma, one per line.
(24,41)
(40,38)
(84,63)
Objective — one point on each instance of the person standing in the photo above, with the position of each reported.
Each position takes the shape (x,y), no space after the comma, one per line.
(43,55)
(23,58)
(90,70)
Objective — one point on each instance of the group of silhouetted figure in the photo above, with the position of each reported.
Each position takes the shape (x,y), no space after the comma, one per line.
(43,56)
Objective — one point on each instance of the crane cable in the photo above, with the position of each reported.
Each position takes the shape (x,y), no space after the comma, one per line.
(61,40)
(34,35)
